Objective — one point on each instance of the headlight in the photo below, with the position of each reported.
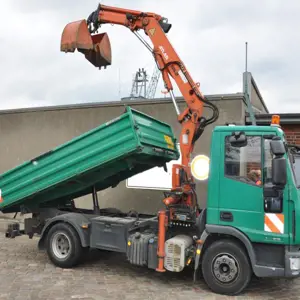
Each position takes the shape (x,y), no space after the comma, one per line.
(295,263)
(200,167)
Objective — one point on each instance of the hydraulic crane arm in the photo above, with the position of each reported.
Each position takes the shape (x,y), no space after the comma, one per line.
(96,47)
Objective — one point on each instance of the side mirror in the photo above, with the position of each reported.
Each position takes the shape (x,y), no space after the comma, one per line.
(273,200)
(279,174)
(238,139)
(277,147)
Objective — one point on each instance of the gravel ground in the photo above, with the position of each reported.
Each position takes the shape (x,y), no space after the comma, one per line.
(27,273)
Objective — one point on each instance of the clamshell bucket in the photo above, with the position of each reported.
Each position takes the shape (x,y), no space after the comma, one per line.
(96,48)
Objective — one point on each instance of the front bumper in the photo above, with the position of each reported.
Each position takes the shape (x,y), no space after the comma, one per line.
(290,269)
(292,261)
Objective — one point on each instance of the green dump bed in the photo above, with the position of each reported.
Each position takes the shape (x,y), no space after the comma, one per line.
(101,158)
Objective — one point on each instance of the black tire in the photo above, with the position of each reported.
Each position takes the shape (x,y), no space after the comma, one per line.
(220,256)
(71,257)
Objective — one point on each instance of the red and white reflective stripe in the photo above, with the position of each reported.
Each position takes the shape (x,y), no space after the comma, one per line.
(274,223)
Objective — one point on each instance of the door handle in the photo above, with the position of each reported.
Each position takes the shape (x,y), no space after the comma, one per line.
(226,216)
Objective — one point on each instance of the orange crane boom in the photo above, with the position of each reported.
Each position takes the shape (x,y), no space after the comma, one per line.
(82,35)
(96,48)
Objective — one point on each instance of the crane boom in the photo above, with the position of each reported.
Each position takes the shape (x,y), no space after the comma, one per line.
(96,48)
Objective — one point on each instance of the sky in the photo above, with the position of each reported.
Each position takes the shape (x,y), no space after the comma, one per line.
(209,37)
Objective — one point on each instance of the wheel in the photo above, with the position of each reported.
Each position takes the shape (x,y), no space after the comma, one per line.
(64,246)
(226,268)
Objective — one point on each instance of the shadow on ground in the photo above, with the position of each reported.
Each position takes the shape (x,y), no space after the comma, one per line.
(106,260)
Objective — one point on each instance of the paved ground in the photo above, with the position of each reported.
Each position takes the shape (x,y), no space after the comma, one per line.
(26,273)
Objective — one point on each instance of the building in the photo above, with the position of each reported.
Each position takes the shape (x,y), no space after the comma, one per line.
(290,124)
(27,133)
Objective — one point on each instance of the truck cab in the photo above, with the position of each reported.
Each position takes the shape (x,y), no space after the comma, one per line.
(262,216)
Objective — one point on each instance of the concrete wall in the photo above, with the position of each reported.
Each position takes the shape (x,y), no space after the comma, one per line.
(26,134)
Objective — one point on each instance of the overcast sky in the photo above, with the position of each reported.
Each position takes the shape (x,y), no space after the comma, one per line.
(209,37)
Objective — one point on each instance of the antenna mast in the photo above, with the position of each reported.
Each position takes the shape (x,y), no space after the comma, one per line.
(247,80)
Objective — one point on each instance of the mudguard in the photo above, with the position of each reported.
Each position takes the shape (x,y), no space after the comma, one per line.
(80,222)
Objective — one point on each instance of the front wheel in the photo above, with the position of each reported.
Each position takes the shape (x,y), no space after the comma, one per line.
(63,246)
(226,268)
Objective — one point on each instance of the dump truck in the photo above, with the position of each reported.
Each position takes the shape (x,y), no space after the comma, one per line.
(248,227)
(245,229)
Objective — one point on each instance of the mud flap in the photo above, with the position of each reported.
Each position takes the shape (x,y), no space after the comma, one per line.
(200,244)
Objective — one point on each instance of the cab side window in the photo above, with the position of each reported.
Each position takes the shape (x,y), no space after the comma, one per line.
(244,163)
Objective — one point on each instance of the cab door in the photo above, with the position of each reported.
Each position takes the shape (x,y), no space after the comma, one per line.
(241,200)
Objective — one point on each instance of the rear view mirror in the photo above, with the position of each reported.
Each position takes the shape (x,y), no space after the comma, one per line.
(279,174)
(238,139)
(277,147)
(273,200)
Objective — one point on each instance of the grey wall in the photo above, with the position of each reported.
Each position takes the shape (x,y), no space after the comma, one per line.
(254,93)
(26,134)
(255,100)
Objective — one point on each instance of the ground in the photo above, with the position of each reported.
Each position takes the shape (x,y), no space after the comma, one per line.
(26,273)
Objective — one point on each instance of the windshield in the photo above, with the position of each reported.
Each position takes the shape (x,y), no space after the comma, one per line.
(297,169)
(294,156)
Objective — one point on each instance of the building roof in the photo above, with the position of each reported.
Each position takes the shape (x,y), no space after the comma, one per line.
(285,118)
(137,101)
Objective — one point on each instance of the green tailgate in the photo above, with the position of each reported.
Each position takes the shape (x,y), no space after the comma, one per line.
(125,146)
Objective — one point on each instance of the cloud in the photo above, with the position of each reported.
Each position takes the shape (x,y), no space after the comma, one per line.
(209,36)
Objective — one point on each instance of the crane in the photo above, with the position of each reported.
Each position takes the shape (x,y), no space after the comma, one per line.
(153,83)
(139,84)
(83,35)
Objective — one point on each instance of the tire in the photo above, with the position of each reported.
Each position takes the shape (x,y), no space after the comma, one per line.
(64,246)
(217,259)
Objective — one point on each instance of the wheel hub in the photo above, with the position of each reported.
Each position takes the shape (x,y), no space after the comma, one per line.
(61,245)
(225,268)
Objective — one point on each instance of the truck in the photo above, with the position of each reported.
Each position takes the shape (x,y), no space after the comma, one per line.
(248,227)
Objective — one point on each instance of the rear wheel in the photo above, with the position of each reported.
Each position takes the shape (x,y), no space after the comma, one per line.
(226,268)
(64,246)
